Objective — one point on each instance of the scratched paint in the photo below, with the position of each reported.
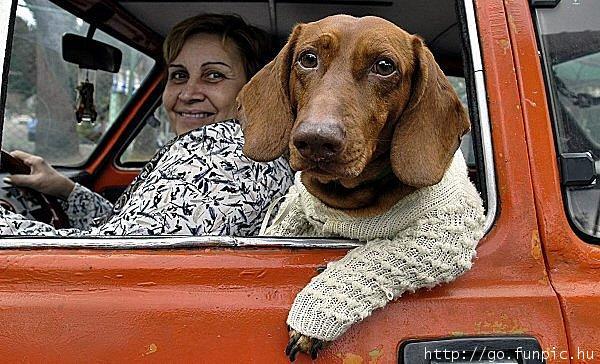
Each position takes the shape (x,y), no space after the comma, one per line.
(530,102)
(496,19)
(511,24)
(375,355)
(350,358)
(151,349)
(504,325)
(146,284)
(504,45)
(536,247)
(253,273)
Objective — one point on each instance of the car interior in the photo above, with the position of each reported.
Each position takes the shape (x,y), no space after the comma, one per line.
(130,124)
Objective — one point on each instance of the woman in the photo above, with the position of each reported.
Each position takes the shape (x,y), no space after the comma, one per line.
(197,184)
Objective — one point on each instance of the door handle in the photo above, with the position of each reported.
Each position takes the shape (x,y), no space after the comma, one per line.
(498,349)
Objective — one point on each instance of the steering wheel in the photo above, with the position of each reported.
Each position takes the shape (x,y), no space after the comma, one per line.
(50,211)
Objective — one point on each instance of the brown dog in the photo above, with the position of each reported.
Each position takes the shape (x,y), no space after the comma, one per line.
(364,112)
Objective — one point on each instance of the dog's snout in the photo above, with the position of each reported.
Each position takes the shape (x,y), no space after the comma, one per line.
(319,141)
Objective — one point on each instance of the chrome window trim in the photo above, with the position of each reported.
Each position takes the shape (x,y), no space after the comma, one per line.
(484,119)
(286,242)
(166,242)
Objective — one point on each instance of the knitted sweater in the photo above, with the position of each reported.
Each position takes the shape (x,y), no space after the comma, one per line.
(427,238)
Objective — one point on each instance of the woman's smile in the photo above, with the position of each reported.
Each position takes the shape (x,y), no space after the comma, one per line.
(195,115)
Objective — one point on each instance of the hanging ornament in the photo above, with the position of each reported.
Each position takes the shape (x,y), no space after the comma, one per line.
(86,110)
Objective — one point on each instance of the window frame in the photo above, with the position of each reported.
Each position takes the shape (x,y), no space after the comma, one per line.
(475,79)
(556,120)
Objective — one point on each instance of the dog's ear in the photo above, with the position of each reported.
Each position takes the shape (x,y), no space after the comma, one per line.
(430,127)
(264,106)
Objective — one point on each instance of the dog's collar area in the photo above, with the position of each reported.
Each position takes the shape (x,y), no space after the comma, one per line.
(370,197)
(384,174)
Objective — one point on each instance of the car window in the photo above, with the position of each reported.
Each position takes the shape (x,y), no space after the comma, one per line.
(41,99)
(155,130)
(155,133)
(570,41)
(460,86)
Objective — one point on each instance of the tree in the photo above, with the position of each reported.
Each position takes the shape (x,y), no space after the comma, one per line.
(56,136)
(22,73)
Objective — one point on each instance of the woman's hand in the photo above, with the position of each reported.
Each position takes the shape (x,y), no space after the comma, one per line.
(43,177)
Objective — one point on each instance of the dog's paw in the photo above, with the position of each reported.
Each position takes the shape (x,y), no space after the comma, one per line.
(302,343)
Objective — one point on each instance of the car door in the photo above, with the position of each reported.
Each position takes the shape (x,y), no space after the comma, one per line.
(562,113)
(225,299)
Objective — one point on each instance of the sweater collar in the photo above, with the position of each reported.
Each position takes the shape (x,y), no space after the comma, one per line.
(407,212)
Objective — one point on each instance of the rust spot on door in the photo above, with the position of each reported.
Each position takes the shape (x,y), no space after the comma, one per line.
(504,44)
(504,325)
(375,354)
(151,349)
(350,358)
(536,247)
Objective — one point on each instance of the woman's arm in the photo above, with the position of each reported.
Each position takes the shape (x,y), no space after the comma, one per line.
(81,205)
(84,207)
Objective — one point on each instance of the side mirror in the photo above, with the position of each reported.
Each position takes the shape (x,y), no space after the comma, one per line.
(91,54)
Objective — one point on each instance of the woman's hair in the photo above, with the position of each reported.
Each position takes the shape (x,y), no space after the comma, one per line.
(253,44)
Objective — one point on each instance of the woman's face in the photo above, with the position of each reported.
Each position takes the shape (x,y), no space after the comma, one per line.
(203,81)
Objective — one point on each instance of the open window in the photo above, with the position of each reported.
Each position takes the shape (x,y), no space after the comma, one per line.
(448,28)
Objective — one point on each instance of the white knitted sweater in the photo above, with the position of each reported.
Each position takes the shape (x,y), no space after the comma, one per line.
(427,238)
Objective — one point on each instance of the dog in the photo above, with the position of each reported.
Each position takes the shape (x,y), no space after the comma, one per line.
(362,109)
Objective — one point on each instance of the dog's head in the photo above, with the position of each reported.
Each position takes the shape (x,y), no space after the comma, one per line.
(348,97)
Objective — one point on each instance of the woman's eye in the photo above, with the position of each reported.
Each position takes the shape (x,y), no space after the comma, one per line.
(215,76)
(177,76)
(308,60)
(383,67)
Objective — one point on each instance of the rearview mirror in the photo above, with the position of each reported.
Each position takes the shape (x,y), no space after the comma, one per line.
(90,54)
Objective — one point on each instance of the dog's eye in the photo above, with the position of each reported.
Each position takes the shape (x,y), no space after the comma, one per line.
(383,67)
(308,60)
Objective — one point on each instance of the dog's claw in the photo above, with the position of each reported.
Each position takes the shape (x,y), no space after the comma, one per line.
(294,352)
(314,350)
(302,343)
(294,336)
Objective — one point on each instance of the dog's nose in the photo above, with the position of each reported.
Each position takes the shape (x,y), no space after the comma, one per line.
(319,141)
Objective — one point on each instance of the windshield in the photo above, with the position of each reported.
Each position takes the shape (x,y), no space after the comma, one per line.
(39,117)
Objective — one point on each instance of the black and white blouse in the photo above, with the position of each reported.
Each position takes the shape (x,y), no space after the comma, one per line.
(200,183)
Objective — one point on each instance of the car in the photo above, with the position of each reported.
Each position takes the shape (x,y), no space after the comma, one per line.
(529,73)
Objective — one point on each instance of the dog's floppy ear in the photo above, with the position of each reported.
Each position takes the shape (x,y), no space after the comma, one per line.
(265,109)
(430,127)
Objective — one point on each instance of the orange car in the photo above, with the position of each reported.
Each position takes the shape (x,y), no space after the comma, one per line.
(529,72)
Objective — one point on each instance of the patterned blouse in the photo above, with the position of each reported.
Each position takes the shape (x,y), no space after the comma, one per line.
(197,184)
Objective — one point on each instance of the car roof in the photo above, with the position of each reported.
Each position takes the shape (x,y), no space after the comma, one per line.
(434,20)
